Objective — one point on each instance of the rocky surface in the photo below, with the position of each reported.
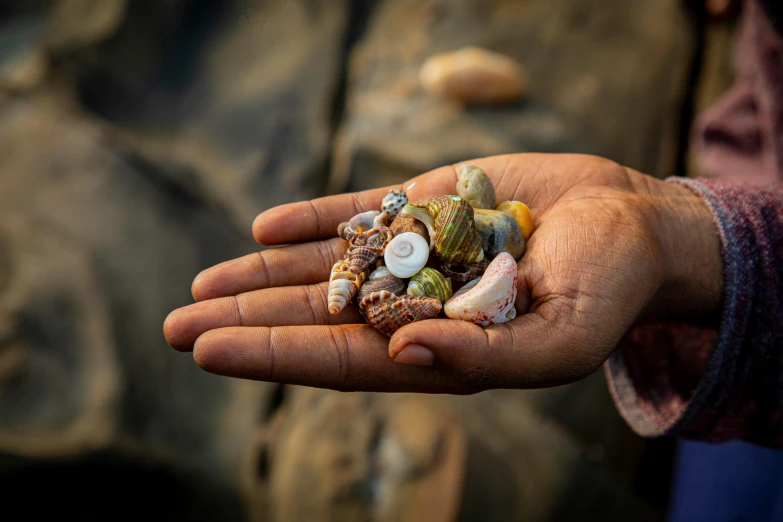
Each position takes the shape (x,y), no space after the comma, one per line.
(606,78)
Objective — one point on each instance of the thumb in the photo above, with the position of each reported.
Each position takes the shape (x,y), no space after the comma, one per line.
(529,351)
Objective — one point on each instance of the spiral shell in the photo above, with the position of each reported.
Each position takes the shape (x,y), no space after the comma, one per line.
(490,299)
(393,202)
(431,283)
(381,279)
(450,222)
(343,285)
(406,254)
(387,312)
(464,273)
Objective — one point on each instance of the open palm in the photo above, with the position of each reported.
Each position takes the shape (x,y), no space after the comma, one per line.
(610,247)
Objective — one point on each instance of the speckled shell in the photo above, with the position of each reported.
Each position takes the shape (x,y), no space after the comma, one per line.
(475,187)
(431,283)
(393,202)
(456,239)
(465,273)
(499,233)
(343,285)
(387,312)
(489,300)
(381,279)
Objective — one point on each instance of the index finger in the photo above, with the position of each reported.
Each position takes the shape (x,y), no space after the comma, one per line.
(515,177)
(319,218)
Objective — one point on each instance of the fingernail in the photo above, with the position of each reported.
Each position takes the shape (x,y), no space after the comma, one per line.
(415,355)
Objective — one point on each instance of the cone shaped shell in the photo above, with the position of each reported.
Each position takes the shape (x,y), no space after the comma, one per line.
(361,257)
(431,283)
(456,238)
(343,285)
(489,300)
(387,313)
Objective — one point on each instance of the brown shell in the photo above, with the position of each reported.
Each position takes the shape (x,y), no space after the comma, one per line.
(361,257)
(387,312)
(464,273)
(390,283)
(401,224)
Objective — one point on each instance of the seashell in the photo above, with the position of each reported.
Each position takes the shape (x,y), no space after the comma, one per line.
(521,213)
(475,187)
(343,285)
(361,257)
(387,312)
(499,233)
(431,283)
(393,202)
(490,299)
(357,224)
(406,254)
(463,273)
(474,75)
(402,224)
(450,224)
(381,279)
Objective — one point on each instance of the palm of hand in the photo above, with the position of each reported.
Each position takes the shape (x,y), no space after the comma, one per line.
(591,267)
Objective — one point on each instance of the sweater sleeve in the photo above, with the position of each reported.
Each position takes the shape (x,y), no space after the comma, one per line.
(716,385)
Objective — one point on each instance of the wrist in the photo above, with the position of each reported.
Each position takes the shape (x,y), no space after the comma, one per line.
(692,284)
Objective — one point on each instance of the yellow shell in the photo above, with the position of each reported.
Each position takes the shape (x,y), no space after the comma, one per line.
(451,226)
(521,213)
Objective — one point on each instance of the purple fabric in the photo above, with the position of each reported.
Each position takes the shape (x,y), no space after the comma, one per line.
(718,385)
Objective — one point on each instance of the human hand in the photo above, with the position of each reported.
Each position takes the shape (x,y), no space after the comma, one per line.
(610,246)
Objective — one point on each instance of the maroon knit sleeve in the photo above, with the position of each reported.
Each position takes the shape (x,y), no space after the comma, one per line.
(716,385)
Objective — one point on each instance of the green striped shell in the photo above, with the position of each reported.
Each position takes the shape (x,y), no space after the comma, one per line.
(452,228)
(431,283)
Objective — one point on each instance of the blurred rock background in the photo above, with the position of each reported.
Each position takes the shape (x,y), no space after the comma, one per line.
(137,142)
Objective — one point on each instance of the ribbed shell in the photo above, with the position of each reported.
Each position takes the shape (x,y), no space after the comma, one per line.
(456,237)
(465,273)
(381,279)
(361,257)
(387,313)
(431,283)
(343,285)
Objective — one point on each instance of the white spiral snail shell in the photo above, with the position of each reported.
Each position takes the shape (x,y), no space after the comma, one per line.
(406,254)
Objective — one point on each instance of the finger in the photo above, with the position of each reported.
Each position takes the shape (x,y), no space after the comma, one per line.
(293,265)
(530,351)
(285,306)
(346,358)
(319,218)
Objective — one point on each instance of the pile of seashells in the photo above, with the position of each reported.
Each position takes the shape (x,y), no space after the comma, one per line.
(388,268)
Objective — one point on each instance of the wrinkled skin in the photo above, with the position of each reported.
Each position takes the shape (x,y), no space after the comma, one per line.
(611,246)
